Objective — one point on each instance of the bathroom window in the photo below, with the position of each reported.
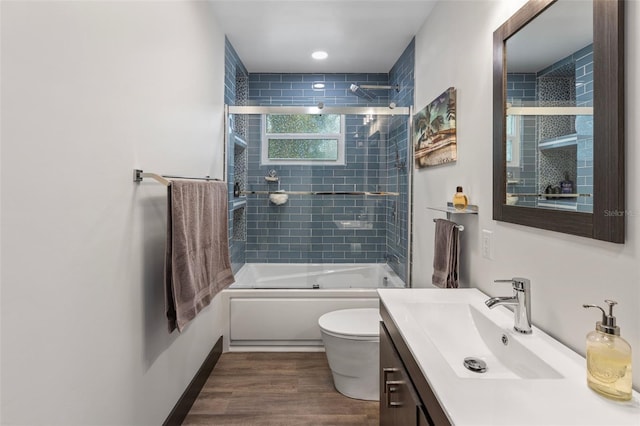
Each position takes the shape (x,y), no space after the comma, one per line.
(303,139)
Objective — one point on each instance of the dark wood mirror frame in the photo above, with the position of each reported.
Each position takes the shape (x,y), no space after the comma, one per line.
(608,218)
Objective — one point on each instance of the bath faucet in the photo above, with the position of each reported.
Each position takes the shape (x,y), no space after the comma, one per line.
(521,300)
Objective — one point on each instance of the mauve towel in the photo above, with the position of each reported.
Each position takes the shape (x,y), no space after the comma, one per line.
(446,254)
(197,264)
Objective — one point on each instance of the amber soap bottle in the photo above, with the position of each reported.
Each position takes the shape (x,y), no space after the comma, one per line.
(460,201)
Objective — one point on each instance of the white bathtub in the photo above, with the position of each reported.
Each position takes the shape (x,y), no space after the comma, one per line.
(316,276)
(275,307)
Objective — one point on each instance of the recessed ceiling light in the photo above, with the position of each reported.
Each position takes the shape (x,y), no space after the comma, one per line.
(318,85)
(320,54)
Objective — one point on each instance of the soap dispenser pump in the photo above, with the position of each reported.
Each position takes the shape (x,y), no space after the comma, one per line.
(608,358)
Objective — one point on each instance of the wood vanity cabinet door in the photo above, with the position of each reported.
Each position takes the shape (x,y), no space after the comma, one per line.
(387,362)
(399,403)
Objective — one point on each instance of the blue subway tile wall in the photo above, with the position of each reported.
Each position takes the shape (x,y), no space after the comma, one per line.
(310,229)
(402,75)
(298,89)
(233,67)
(307,229)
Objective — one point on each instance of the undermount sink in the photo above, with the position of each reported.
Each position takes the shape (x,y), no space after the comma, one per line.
(461,331)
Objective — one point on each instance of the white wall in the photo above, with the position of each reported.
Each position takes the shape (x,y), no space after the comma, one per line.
(454,48)
(90,91)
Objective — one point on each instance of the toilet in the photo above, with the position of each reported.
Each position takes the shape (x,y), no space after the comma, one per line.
(351,338)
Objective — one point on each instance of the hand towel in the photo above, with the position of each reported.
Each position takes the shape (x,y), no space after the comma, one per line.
(197,264)
(446,254)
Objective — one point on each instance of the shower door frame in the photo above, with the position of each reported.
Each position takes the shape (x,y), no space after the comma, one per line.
(346,110)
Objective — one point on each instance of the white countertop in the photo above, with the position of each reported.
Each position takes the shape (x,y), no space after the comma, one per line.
(480,401)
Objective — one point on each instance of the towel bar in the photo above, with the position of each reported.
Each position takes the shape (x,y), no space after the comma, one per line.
(138,175)
(382,194)
(460,227)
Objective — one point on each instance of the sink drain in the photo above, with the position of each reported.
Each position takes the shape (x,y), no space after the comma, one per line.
(475,364)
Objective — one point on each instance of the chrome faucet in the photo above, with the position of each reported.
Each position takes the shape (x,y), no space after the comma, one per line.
(521,300)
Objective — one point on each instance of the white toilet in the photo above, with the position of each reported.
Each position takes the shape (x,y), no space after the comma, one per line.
(351,338)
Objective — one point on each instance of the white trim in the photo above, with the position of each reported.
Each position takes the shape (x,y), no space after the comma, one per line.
(516,140)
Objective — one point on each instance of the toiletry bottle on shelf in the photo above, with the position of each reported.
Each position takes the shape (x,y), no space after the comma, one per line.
(566,186)
(608,358)
(460,201)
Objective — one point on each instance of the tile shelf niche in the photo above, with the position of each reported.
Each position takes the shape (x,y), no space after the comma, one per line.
(238,203)
(237,158)
(548,196)
(559,142)
(237,140)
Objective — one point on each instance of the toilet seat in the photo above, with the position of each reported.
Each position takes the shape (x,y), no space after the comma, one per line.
(353,324)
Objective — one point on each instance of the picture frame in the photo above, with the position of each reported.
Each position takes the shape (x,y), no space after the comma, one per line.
(434,131)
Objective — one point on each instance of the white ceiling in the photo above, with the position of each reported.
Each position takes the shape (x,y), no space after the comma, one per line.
(359,35)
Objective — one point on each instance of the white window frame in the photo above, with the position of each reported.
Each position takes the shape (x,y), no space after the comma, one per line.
(264,146)
(514,140)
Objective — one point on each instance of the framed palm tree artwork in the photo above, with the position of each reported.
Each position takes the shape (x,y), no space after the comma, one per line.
(434,131)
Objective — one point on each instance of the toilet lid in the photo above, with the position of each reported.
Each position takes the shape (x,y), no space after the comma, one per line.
(352,322)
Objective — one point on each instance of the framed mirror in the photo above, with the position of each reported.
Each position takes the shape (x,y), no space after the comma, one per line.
(558,118)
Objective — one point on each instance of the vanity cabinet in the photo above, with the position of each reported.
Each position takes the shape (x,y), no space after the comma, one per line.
(405,396)
(399,403)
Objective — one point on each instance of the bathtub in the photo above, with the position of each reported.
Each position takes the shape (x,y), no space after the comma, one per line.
(316,276)
(275,307)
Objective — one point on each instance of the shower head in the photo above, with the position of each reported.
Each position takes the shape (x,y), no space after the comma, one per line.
(361,93)
(364,90)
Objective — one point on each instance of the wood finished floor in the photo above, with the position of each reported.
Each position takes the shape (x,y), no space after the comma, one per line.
(276,389)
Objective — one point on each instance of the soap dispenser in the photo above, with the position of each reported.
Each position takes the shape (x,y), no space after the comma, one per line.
(608,358)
